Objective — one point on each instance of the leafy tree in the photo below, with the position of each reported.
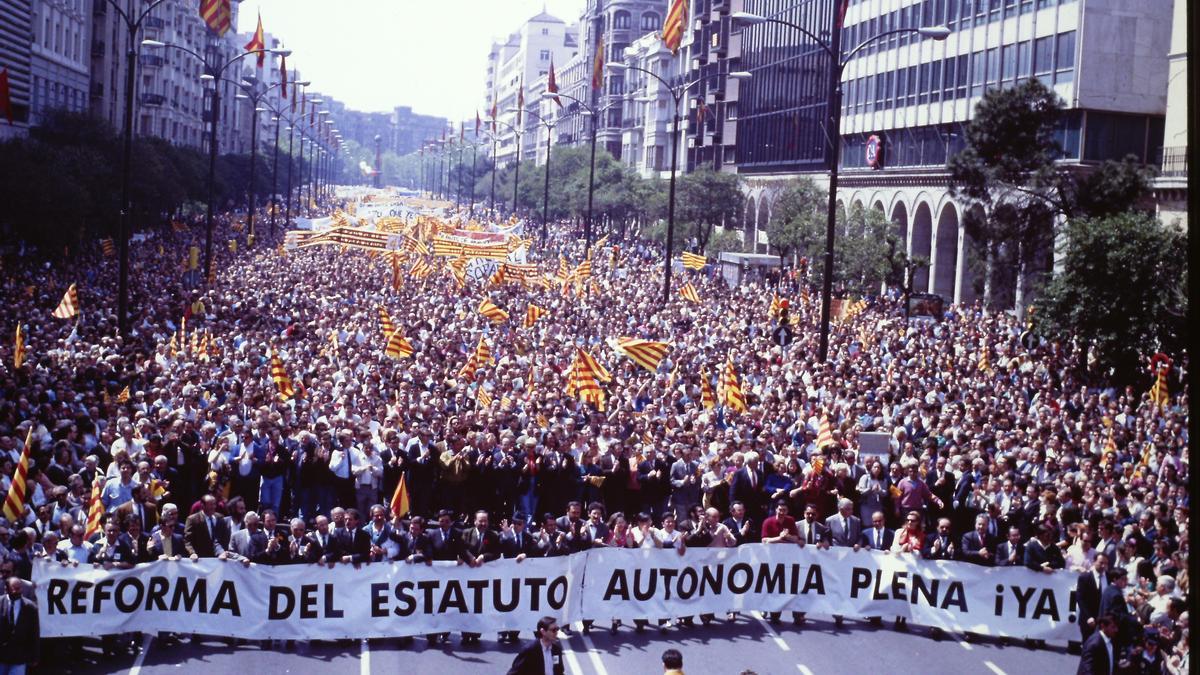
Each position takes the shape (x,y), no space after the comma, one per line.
(870,251)
(1122,291)
(798,221)
(705,199)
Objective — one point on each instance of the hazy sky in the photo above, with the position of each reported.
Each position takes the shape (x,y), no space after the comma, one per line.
(377,54)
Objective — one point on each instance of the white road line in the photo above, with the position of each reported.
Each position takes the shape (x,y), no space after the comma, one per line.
(803,669)
(572,660)
(774,635)
(965,645)
(593,654)
(364,659)
(141,657)
(994,668)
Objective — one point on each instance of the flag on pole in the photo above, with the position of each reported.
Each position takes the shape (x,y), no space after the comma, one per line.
(584,382)
(258,42)
(693,261)
(123,397)
(824,433)
(217,15)
(385,321)
(645,353)
(398,346)
(776,306)
(552,83)
(984,363)
(279,376)
(420,269)
(520,99)
(69,306)
(108,247)
(1159,395)
(675,25)
(493,112)
(478,123)
(19,350)
(731,391)
(95,508)
(706,391)
(400,504)
(689,293)
(598,64)
(492,312)
(483,398)
(5,96)
(283,78)
(14,503)
(532,314)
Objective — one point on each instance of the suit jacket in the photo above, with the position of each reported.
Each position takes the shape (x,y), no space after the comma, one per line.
(484,547)
(584,534)
(177,546)
(529,660)
(140,547)
(246,546)
(354,543)
(446,546)
(868,539)
(1004,549)
(943,552)
(972,545)
(753,533)
(510,549)
(150,513)
(197,539)
(1094,657)
(819,534)
(20,642)
(839,535)
(1036,554)
(755,498)
(314,549)
(1087,597)
(419,546)
(116,553)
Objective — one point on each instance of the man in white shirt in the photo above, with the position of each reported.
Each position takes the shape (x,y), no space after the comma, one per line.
(346,463)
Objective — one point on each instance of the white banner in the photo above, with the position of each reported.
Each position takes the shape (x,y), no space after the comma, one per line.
(220,598)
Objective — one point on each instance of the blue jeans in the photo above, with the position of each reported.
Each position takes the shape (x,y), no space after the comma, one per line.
(12,669)
(270,493)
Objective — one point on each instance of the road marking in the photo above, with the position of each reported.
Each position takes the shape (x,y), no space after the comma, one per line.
(774,635)
(994,668)
(364,659)
(141,657)
(571,659)
(804,669)
(965,645)
(593,654)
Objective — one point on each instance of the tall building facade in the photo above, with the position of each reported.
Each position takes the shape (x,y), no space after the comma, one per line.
(59,57)
(16,56)
(1171,187)
(913,96)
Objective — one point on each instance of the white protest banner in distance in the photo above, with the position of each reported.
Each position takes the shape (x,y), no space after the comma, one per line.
(219,598)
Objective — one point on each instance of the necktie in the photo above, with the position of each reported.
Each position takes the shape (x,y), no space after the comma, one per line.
(211,525)
(878,539)
(846,528)
(166,541)
(809,528)
(520,543)
(141,517)
(753,480)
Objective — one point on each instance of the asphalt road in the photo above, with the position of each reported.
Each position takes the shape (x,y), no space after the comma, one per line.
(819,648)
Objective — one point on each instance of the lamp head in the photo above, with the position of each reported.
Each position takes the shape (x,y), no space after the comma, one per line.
(938,33)
(153,43)
(617,67)
(739,75)
(746,19)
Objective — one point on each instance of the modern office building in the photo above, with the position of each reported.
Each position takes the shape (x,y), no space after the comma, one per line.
(59,60)
(649,108)
(16,55)
(913,96)
(1171,187)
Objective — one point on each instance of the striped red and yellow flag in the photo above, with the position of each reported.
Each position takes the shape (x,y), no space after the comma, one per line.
(645,353)
(19,349)
(123,397)
(258,43)
(217,15)
(400,503)
(1159,395)
(564,271)
(173,346)
(385,322)
(108,247)
(498,277)
(824,433)
(14,503)
(584,270)
(584,381)
(414,245)
(69,307)
(95,508)
(494,313)
(693,261)
(398,347)
(283,383)
(689,293)
(776,306)
(674,25)
(985,364)
(706,391)
(532,314)
(482,356)
(420,269)
(731,391)
(458,270)
(483,398)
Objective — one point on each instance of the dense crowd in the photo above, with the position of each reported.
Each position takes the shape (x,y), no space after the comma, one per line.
(1025,462)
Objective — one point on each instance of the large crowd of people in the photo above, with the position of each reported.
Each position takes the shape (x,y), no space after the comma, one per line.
(1022,460)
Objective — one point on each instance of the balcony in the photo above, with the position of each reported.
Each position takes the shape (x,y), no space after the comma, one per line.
(155,22)
(153,99)
(151,61)
(1175,162)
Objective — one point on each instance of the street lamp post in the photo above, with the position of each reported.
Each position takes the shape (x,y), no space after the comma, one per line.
(474,153)
(251,93)
(833,119)
(133,23)
(378,160)
(287,214)
(676,93)
(275,174)
(492,197)
(595,115)
(546,182)
(213,72)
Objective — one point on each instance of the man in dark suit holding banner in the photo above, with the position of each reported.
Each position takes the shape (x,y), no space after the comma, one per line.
(533,659)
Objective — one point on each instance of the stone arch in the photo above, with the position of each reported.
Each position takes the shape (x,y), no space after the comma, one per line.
(974,267)
(749,216)
(900,222)
(919,244)
(878,206)
(945,253)
(764,214)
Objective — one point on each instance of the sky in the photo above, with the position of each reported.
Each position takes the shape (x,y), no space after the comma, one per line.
(374,55)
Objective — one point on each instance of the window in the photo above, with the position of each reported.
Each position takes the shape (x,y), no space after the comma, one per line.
(961,76)
(1009,58)
(621,20)
(1024,66)
(544,55)
(1043,55)
(545,31)
(650,22)
(1066,57)
(993,65)
(901,86)
(935,81)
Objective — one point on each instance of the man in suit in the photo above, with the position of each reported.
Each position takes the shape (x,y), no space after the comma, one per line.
(685,483)
(939,545)
(354,544)
(1088,588)
(167,543)
(545,651)
(878,537)
(20,634)
(516,543)
(810,530)
(446,543)
(844,529)
(248,544)
(414,545)
(205,534)
(744,530)
(1112,602)
(977,545)
(1010,552)
(139,507)
(480,545)
(747,487)
(111,550)
(1100,655)
(1041,555)
(320,546)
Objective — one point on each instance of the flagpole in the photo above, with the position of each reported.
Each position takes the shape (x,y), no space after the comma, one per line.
(471,209)
(275,177)
(492,198)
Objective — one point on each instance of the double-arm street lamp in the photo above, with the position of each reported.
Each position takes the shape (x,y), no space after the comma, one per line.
(595,115)
(516,164)
(833,119)
(546,184)
(287,211)
(256,96)
(677,92)
(213,71)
